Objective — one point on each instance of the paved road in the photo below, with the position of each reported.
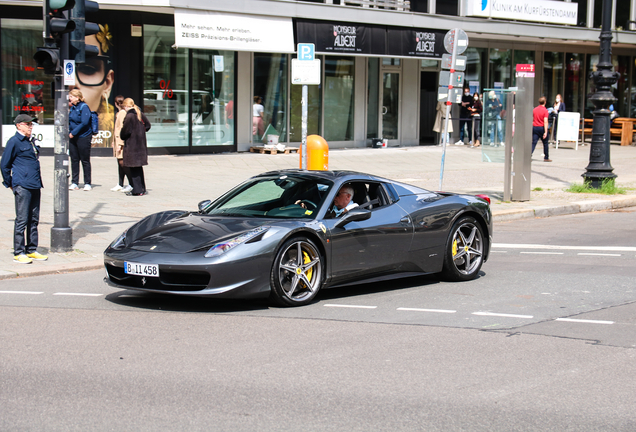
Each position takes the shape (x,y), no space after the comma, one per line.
(418,354)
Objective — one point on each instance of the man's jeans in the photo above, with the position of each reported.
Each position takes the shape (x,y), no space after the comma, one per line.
(27,217)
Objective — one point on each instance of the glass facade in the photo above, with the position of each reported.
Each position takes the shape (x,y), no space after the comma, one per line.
(339,96)
(373,98)
(552,76)
(499,75)
(573,93)
(270,84)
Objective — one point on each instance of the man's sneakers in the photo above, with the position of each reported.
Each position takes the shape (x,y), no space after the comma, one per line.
(37,256)
(73,187)
(22,259)
(459,143)
(126,188)
(87,187)
(117,188)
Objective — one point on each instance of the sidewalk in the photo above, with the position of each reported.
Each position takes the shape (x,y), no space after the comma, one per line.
(180,182)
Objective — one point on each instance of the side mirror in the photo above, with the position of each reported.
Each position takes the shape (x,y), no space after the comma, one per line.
(203,205)
(353,215)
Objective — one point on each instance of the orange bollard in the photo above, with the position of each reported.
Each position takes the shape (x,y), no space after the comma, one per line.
(317,154)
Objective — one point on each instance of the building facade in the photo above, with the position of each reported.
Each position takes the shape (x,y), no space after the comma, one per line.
(215,76)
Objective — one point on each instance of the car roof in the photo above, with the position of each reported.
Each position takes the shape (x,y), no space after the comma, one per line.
(327,175)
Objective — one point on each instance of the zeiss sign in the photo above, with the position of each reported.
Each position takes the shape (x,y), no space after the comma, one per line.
(554,12)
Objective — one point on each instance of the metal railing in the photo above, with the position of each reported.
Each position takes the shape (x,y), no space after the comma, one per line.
(399,5)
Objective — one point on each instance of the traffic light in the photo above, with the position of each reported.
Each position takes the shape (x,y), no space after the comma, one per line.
(56,20)
(48,59)
(79,49)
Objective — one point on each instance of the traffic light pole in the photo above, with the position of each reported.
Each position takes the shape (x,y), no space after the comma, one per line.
(61,233)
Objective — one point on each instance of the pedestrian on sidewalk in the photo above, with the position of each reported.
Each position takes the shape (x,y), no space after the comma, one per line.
(465,122)
(135,153)
(475,113)
(440,118)
(81,136)
(21,173)
(118,148)
(540,128)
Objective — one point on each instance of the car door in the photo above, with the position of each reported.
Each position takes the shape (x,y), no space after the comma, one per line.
(376,246)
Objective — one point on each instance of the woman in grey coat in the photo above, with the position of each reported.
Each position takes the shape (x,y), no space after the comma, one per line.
(135,153)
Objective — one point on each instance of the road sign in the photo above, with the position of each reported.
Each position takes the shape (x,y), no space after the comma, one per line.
(445,79)
(457,37)
(306,51)
(460,62)
(453,95)
(305,72)
(69,72)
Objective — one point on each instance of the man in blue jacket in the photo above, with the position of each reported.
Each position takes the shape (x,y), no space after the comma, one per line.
(21,174)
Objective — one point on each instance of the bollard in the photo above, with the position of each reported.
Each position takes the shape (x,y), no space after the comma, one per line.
(317,154)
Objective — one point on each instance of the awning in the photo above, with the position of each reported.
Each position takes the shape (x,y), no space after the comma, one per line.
(371,40)
(232,32)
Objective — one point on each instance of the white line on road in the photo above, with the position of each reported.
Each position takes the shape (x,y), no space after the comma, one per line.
(350,306)
(21,292)
(502,315)
(586,248)
(542,253)
(597,254)
(78,294)
(584,321)
(427,310)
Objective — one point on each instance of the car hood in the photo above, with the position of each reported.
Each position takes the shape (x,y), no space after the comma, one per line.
(189,232)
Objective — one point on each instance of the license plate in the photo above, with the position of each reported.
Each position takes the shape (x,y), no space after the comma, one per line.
(138,269)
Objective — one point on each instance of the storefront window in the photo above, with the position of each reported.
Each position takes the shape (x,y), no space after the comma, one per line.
(212,97)
(270,84)
(373,89)
(25,89)
(521,57)
(475,58)
(620,89)
(552,76)
(573,94)
(314,110)
(339,115)
(499,68)
(165,81)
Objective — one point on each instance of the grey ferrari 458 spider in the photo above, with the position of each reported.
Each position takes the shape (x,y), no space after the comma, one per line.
(277,235)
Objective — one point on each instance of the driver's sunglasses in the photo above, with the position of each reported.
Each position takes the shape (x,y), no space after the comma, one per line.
(93,71)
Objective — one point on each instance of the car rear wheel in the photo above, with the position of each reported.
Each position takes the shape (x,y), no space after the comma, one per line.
(464,252)
(297,273)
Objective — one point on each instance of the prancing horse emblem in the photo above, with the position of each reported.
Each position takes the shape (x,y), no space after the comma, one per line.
(143,281)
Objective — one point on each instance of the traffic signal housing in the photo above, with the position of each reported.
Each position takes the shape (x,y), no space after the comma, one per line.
(56,19)
(79,49)
(48,59)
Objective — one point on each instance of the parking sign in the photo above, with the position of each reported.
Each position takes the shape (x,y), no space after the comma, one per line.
(306,51)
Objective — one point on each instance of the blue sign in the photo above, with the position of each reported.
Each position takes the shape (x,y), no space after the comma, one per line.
(69,68)
(306,51)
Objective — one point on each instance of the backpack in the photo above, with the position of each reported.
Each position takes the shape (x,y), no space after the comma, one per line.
(94,123)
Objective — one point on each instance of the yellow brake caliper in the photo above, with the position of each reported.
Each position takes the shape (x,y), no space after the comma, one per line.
(306,260)
(454,247)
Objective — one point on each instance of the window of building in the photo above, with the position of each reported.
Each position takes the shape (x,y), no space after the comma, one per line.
(25,89)
(270,84)
(582,12)
(552,75)
(314,110)
(622,14)
(598,13)
(373,95)
(339,96)
(620,90)
(447,7)
(475,58)
(573,94)
(499,73)
(165,78)
(212,99)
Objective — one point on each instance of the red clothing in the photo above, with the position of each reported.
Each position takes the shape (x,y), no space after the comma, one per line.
(538,114)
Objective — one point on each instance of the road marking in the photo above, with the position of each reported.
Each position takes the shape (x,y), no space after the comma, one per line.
(502,315)
(499,251)
(597,254)
(543,253)
(21,292)
(78,294)
(584,321)
(585,248)
(426,310)
(350,306)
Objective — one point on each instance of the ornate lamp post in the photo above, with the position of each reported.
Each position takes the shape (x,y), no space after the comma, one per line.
(599,167)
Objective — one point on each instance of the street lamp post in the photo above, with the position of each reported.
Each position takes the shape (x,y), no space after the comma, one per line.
(599,168)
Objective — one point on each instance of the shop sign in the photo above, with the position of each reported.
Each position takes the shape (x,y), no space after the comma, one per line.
(409,42)
(232,32)
(342,37)
(545,11)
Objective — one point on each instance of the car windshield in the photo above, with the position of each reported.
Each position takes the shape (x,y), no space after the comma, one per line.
(284,196)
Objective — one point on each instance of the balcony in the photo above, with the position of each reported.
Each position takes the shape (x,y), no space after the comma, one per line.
(399,5)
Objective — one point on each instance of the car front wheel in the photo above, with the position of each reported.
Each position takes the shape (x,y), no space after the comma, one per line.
(464,252)
(296,274)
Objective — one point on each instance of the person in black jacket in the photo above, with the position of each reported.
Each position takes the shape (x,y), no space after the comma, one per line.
(135,153)
(21,173)
(464,117)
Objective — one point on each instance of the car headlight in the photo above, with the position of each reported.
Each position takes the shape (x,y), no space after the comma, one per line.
(221,248)
(120,241)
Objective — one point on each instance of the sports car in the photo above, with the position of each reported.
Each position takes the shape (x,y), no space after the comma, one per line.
(275,235)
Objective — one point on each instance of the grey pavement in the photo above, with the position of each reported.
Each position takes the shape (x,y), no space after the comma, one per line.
(180,182)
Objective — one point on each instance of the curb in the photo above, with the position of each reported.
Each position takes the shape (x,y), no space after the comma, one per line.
(63,268)
(566,209)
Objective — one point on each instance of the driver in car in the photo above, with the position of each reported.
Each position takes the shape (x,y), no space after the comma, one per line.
(342,203)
